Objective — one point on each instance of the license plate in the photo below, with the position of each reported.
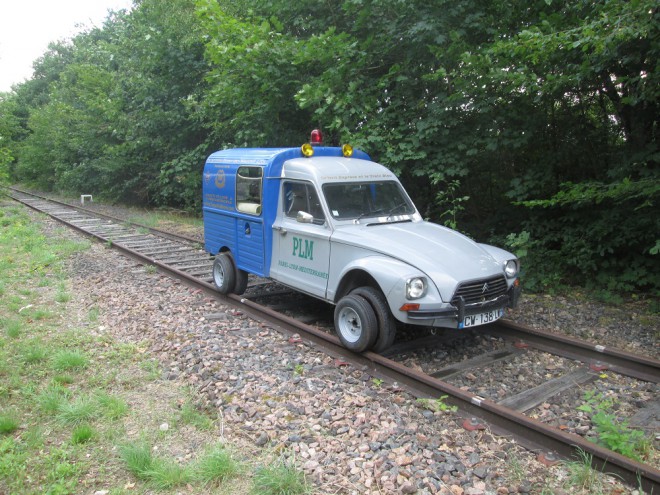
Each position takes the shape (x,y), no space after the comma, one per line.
(481,318)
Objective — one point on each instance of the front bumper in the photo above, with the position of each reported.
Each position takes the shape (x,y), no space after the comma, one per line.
(457,312)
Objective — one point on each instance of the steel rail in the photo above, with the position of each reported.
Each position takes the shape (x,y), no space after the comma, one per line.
(529,432)
(153,230)
(599,356)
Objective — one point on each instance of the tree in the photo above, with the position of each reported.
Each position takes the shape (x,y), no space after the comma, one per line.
(587,74)
(532,121)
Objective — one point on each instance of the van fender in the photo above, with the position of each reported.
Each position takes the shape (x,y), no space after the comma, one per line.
(383,272)
(498,254)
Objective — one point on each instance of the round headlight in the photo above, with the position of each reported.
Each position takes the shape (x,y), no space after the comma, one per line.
(415,288)
(511,269)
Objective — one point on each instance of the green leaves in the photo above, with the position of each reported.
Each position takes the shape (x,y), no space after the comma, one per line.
(535,117)
(614,434)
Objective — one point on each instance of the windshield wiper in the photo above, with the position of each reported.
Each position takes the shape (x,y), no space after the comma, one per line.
(393,209)
(370,213)
(380,211)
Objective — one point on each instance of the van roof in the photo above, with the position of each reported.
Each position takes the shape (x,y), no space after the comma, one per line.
(323,169)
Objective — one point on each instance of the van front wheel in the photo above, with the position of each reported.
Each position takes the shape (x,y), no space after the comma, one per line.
(224,273)
(384,319)
(355,322)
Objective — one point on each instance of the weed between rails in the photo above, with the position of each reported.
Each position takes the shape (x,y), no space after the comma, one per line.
(72,404)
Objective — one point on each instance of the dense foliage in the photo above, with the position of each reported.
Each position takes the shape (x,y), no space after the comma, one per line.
(531,124)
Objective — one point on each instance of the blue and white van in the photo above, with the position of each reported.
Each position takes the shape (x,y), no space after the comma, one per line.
(331,223)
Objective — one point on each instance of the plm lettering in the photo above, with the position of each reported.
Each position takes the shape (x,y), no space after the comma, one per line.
(303,248)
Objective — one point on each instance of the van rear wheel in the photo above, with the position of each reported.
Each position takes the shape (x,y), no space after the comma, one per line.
(355,323)
(224,273)
(241,281)
(386,322)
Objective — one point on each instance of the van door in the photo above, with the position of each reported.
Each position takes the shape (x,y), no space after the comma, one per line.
(249,234)
(301,240)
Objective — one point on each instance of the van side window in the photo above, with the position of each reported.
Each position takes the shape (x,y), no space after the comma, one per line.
(248,190)
(301,196)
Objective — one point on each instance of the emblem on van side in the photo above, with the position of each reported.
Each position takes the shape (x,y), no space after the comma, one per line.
(220,179)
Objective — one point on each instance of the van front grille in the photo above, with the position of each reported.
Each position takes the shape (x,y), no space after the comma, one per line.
(480,290)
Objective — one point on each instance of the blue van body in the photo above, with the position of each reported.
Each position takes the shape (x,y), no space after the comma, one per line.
(239,227)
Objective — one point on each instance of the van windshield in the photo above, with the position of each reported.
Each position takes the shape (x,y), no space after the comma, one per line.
(366,199)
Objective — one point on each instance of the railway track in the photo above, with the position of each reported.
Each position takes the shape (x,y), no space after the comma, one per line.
(185,259)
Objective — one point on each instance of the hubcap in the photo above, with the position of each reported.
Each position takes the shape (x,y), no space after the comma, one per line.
(350,325)
(218,274)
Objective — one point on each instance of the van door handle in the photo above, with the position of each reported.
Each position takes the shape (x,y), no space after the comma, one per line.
(280,229)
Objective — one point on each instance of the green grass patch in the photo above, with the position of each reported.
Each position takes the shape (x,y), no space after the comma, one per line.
(160,472)
(217,465)
(82,433)
(138,459)
(73,403)
(190,415)
(8,422)
(280,478)
(112,407)
(69,360)
(63,379)
(167,473)
(34,352)
(80,410)
(152,367)
(93,315)
(62,295)
(12,328)
(582,476)
(52,398)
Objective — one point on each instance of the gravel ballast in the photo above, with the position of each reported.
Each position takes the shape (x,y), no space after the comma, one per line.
(348,432)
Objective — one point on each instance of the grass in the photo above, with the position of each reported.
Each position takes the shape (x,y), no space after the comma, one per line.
(280,478)
(161,219)
(216,465)
(581,476)
(516,471)
(69,360)
(52,399)
(34,352)
(80,410)
(189,415)
(112,407)
(212,468)
(82,433)
(138,459)
(159,472)
(12,328)
(8,423)
(72,404)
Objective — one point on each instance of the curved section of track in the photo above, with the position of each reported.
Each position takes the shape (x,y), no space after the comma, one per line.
(186,260)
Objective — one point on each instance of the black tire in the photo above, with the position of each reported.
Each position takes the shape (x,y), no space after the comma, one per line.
(355,323)
(386,322)
(241,281)
(224,273)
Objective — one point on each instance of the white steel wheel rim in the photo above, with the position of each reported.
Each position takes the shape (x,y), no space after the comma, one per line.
(350,324)
(218,274)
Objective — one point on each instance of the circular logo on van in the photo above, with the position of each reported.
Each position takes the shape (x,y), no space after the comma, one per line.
(220,179)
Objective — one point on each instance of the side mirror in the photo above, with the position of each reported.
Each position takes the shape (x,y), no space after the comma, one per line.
(304,217)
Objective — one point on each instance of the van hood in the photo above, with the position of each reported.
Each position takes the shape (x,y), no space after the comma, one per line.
(444,255)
